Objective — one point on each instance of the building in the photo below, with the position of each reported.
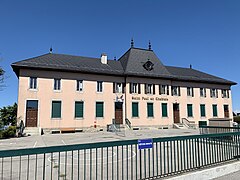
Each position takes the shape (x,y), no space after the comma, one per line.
(59,91)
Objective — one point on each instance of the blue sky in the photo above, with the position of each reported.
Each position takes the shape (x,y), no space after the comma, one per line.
(204,33)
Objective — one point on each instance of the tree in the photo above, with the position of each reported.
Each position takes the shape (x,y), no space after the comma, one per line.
(8,114)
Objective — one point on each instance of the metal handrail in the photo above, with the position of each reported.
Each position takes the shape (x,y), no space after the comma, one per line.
(128,123)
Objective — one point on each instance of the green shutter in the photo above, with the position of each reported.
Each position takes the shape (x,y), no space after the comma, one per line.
(202,109)
(56,109)
(215,114)
(189,110)
(134,109)
(164,110)
(99,109)
(150,109)
(79,109)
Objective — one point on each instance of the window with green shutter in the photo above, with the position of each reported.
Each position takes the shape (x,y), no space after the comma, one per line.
(56,109)
(150,109)
(164,110)
(215,114)
(99,109)
(135,109)
(79,109)
(202,110)
(189,110)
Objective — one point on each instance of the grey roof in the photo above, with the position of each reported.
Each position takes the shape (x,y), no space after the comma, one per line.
(130,64)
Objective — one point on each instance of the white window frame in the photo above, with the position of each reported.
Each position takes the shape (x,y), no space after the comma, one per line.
(149,88)
(213,93)
(99,86)
(225,93)
(58,84)
(32,82)
(163,89)
(175,90)
(202,92)
(135,88)
(190,91)
(118,87)
(79,85)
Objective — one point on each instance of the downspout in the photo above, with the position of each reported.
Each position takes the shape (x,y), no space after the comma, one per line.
(125,81)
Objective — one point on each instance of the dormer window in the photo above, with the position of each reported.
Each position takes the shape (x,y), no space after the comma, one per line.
(148,65)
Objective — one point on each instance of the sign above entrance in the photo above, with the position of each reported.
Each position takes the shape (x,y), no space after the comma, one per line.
(145,144)
(149,98)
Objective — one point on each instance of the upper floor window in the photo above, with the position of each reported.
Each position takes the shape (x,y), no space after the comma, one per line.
(57,84)
(202,92)
(164,89)
(190,91)
(214,93)
(118,88)
(149,88)
(225,93)
(79,85)
(135,88)
(176,91)
(99,86)
(33,83)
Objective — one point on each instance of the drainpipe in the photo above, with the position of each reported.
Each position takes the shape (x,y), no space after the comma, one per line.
(125,102)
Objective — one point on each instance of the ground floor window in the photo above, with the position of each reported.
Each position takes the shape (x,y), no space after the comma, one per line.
(135,109)
(215,113)
(79,109)
(189,110)
(149,109)
(164,110)
(202,110)
(56,109)
(99,109)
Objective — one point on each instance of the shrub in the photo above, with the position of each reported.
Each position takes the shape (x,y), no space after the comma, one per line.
(236,119)
(9,132)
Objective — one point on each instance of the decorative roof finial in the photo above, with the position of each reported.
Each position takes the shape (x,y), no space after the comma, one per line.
(149,45)
(132,43)
(50,50)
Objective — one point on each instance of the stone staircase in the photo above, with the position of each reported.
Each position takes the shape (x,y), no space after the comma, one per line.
(32,131)
(179,126)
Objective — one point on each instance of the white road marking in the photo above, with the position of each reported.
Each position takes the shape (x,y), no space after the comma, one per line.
(64,142)
(35,144)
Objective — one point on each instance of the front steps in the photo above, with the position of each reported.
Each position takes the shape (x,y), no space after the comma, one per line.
(32,131)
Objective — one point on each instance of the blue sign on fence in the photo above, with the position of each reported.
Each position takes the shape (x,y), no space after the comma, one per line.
(145,143)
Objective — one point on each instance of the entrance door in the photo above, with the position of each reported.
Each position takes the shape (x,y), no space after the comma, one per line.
(118,113)
(226,111)
(176,115)
(31,113)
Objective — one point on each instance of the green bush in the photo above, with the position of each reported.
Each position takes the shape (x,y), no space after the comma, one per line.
(236,119)
(9,132)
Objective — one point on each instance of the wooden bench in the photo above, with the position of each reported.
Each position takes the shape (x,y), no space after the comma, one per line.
(67,130)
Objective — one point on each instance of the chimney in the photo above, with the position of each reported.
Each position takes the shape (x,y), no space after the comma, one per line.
(104,58)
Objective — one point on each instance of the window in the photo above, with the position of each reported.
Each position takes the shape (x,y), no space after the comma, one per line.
(190,91)
(99,109)
(225,93)
(79,109)
(135,109)
(189,110)
(99,86)
(57,84)
(118,87)
(202,92)
(215,113)
(164,110)
(214,93)
(202,110)
(164,89)
(56,109)
(33,83)
(176,91)
(135,88)
(149,88)
(226,110)
(150,109)
(79,85)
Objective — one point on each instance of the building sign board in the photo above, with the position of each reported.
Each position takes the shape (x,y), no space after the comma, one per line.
(145,144)
(149,98)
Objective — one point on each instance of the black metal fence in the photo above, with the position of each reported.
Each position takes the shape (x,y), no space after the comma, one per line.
(120,159)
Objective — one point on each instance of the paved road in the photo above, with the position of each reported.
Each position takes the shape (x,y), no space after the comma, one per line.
(232,176)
